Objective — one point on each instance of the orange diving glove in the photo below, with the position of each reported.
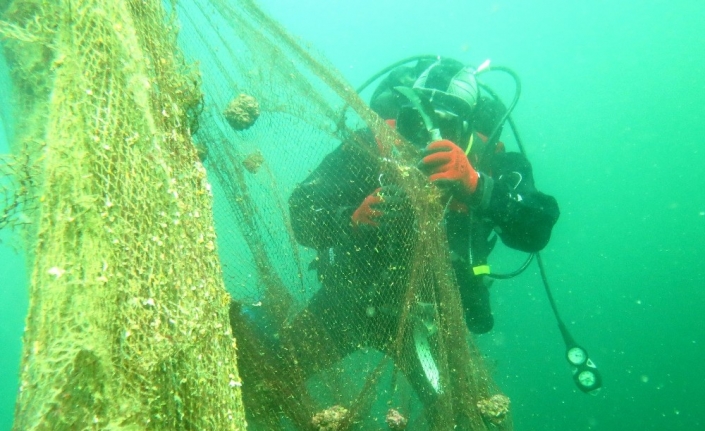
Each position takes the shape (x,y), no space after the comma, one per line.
(448,167)
(365,213)
(386,208)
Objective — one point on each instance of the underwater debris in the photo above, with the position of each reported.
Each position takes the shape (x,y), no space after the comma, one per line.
(242,112)
(253,161)
(331,419)
(395,421)
(495,408)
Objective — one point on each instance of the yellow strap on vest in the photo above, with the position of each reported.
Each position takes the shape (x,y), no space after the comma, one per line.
(481,270)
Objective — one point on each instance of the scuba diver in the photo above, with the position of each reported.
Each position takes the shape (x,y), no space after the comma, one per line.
(360,225)
(357,224)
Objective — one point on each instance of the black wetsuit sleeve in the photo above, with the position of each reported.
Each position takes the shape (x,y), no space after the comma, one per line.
(523,216)
(321,206)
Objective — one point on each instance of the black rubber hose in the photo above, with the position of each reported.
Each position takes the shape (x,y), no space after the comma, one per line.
(513,273)
(564,331)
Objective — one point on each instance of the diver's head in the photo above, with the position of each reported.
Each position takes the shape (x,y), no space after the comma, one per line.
(444,90)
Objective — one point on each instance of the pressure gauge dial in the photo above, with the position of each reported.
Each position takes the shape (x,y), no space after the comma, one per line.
(587,379)
(576,355)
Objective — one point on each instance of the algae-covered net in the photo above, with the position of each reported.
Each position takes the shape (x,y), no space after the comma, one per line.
(127,326)
(336,328)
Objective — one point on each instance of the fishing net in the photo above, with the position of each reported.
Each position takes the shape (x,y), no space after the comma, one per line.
(378,344)
(127,326)
(336,328)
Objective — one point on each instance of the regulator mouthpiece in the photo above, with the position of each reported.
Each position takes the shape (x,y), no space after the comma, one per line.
(485,64)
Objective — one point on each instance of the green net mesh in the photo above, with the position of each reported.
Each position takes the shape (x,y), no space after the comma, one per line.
(128,328)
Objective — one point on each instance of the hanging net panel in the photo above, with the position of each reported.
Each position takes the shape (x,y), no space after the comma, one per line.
(139,282)
(338,327)
(127,326)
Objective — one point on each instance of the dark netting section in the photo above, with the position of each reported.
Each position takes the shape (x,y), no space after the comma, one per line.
(339,326)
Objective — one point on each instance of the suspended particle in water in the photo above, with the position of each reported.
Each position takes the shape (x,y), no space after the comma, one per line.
(242,112)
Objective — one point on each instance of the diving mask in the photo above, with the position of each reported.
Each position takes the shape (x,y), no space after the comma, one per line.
(439,116)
